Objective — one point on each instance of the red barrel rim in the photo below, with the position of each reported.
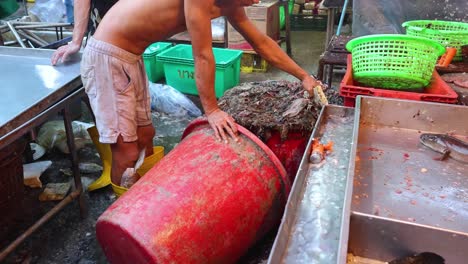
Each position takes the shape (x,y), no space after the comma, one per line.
(202,121)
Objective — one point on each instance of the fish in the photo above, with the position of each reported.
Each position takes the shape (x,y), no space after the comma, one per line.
(447,145)
(296,107)
(318,151)
(422,258)
(130,175)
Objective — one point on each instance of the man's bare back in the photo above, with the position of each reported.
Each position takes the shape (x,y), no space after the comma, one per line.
(134,24)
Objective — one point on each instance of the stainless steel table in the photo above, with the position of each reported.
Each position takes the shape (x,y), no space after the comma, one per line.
(31,91)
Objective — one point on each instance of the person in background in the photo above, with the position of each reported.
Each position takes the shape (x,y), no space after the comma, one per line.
(115,80)
(69,10)
(87,16)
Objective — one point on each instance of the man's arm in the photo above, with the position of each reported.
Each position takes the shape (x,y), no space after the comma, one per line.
(268,48)
(81,14)
(198,21)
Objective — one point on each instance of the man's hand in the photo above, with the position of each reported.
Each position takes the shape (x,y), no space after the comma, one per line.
(309,83)
(64,52)
(315,89)
(222,122)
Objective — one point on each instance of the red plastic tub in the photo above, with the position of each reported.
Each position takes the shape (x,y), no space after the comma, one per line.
(205,202)
(289,151)
(437,91)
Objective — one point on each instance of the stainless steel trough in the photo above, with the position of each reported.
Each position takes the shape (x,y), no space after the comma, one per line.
(404,201)
(380,195)
(317,213)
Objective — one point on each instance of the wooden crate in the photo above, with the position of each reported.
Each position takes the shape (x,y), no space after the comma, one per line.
(252,62)
(303,22)
(11,176)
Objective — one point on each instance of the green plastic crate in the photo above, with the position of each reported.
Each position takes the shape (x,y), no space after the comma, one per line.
(283,15)
(394,61)
(154,68)
(179,68)
(303,22)
(8,7)
(448,33)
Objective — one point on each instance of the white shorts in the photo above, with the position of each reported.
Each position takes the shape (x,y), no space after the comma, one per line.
(116,83)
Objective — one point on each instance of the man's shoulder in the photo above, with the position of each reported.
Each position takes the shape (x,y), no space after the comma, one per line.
(235,14)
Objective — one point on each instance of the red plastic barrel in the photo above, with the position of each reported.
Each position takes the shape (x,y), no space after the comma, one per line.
(205,202)
(289,151)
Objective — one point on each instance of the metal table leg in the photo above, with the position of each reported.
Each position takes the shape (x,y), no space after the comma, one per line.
(287,27)
(88,104)
(320,71)
(74,159)
(330,26)
(75,194)
(329,74)
(25,5)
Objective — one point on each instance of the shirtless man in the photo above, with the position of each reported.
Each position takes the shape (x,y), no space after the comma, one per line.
(115,81)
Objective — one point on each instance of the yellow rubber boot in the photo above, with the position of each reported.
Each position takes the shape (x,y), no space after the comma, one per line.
(149,162)
(105,153)
(118,190)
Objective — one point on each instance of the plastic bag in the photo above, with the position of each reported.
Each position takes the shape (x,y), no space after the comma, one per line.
(52,134)
(38,150)
(33,171)
(49,10)
(168,100)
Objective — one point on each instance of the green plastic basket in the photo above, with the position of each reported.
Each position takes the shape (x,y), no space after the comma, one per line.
(394,61)
(154,68)
(448,33)
(179,69)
